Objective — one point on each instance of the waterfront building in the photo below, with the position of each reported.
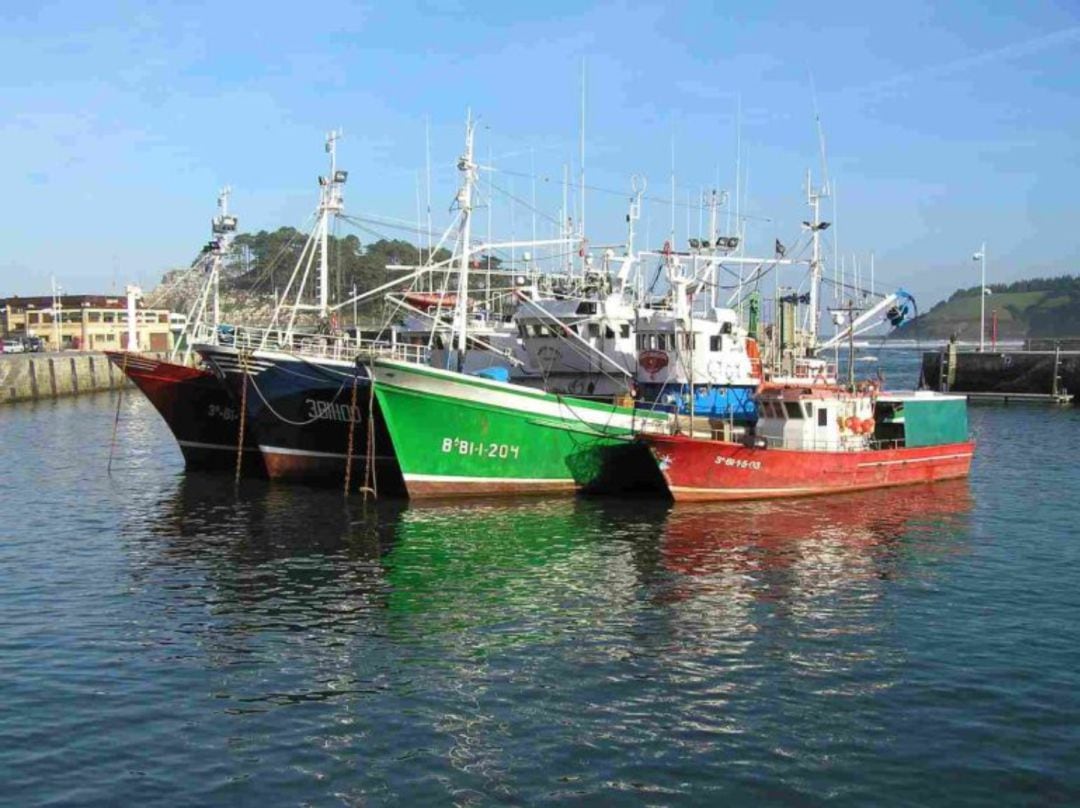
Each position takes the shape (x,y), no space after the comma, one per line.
(83,322)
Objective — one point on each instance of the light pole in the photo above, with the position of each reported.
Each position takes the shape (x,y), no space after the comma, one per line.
(980,256)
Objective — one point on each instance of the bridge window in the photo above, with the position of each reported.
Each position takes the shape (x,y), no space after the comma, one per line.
(822,417)
(715,342)
(624,330)
(794,411)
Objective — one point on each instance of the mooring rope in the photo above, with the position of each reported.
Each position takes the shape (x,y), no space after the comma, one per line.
(371,483)
(116,419)
(243,416)
(352,431)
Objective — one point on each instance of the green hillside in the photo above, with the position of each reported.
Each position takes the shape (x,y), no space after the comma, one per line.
(1038,307)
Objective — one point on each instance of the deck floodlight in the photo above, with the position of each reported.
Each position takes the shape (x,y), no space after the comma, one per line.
(341,176)
(695,244)
(322,180)
(732,242)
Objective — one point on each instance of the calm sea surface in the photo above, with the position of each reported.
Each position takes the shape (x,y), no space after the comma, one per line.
(171,639)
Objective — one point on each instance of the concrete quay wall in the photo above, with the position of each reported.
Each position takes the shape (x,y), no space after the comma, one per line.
(1003,372)
(36,376)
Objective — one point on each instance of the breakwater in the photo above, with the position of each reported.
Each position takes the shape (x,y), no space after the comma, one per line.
(30,377)
(1048,374)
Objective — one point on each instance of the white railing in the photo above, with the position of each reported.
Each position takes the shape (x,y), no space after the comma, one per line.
(340,347)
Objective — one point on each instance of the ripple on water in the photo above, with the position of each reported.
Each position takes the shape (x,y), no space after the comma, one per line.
(171,638)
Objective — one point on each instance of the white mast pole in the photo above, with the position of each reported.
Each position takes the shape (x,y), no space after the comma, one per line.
(815,260)
(223,212)
(467,168)
(672,241)
(581,215)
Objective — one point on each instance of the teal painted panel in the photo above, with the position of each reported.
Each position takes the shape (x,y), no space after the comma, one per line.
(930,422)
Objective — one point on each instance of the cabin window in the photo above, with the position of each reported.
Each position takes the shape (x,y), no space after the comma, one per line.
(624,330)
(725,328)
(586,307)
(809,409)
(523,330)
(594,329)
(822,417)
(715,342)
(609,332)
(793,409)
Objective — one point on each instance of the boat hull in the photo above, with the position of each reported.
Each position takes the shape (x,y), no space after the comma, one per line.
(197,409)
(699,470)
(301,411)
(456,435)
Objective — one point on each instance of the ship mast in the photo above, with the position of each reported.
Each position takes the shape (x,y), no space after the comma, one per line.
(330,203)
(464,201)
(815,225)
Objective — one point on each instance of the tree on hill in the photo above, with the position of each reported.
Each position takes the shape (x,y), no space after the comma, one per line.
(264,261)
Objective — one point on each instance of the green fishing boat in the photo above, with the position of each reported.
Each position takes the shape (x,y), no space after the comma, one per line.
(455,434)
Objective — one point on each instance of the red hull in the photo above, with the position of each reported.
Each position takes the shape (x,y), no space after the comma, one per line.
(698,470)
(197,408)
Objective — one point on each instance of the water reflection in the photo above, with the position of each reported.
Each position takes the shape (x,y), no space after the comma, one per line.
(430,637)
(805,579)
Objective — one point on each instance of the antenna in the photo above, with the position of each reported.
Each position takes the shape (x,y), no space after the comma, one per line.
(672,242)
(821,139)
(738,163)
(427,150)
(581,214)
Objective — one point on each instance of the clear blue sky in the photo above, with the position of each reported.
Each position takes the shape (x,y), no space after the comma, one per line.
(945,123)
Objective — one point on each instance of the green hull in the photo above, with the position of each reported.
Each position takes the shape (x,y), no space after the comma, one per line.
(455,434)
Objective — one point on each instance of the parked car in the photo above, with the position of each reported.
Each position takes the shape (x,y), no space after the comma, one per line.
(12,346)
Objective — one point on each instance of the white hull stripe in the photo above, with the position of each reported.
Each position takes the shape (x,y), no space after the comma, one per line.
(916,460)
(446,478)
(281,450)
(192,444)
(729,490)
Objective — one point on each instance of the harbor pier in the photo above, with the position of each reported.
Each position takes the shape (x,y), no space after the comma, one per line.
(1050,374)
(32,377)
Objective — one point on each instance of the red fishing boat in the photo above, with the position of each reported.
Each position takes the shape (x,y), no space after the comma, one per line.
(197,408)
(821,440)
(192,400)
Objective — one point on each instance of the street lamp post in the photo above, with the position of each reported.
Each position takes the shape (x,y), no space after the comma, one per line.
(980,256)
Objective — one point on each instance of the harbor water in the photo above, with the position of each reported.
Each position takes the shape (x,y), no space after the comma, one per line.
(173,639)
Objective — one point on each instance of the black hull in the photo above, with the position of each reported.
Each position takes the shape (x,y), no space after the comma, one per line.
(301,412)
(197,409)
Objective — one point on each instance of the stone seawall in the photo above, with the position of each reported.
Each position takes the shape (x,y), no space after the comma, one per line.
(1046,373)
(31,377)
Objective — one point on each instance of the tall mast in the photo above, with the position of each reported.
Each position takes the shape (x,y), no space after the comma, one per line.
(813,198)
(331,203)
(464,200)
(223,226)
(581,215)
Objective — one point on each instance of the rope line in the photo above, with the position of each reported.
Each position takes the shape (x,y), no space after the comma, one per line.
(116,418)
(243,417)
